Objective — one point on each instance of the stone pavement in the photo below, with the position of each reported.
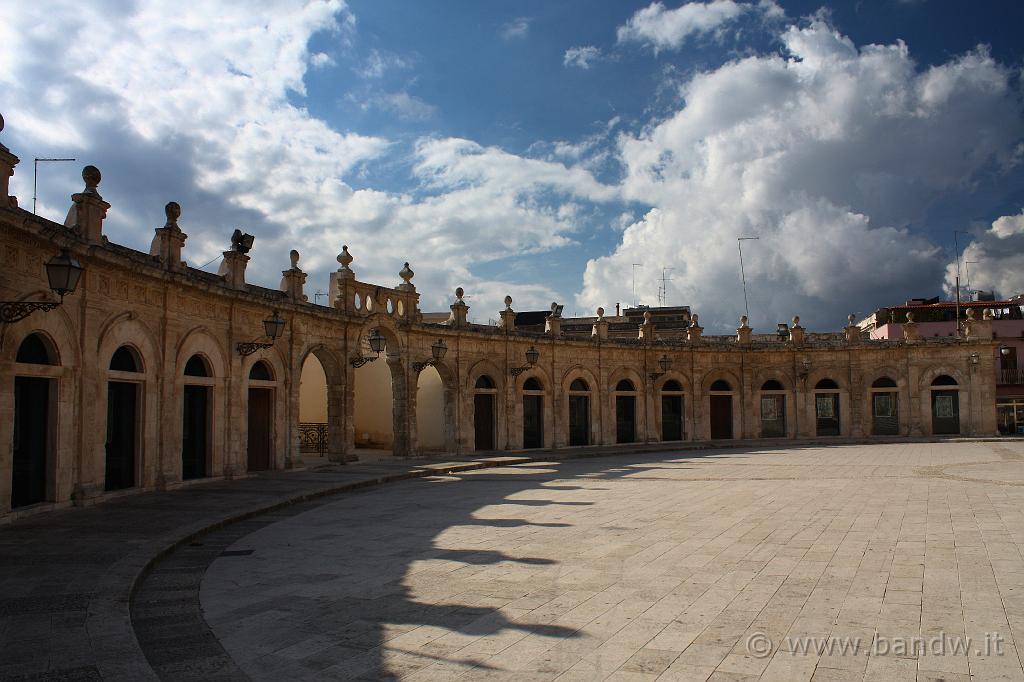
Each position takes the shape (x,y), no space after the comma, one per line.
(66,577)
(806,563)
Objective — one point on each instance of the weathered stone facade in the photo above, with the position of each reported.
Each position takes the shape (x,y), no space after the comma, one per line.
(167,313)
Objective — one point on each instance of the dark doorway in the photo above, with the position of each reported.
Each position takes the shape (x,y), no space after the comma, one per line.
(671,417)
(533,421)
(261,416)
(483,421)
(122,434)
(625,419)
(945,412)
(194,432)
(721,417)
(579,420)
(773,416)
(826,411)
(31,435)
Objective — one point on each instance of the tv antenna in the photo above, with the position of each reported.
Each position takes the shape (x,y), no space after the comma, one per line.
(635,266)
(35,179)
(663,287)
(316,297)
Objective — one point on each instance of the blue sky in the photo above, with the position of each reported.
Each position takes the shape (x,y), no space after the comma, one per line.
(540,149)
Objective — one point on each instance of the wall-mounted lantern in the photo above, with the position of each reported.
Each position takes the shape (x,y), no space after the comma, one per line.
(273,326)
(665,362)
(377,343)
(437,351)
(63,272)
(532,355)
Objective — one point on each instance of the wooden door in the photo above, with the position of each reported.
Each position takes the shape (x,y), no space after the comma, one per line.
(625,419)
(579,420)
(261,419)
(533,421)
(826,409)
(31,436)
(671,417)
(194,432)
(122,434)
(721,416)
(483,421)
(945,412)
(773,416)
(885,416)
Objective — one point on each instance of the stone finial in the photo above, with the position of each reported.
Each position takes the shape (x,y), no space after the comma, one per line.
(293,257)
(743,332)
(508,316)
(345,258)
(600,313)
(910,317)
(850,318)
(986,314)
(459,309)
(647,317)
(406,273)
(293,279)
(694,320)
(743,322)
(459,293)
(910,330)
(173,211)
(796,321)
(92,177)
(852,331)
(646,331)
(2,147)
(508,303)
(7,163)
(797,334)
(970,313)
(553,321)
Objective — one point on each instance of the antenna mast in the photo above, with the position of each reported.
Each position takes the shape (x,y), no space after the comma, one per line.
(663,287)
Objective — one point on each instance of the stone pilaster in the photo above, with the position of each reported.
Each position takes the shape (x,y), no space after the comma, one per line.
(342,291)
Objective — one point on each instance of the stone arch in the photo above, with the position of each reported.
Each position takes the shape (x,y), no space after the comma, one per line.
(674,375)
(402,428)
(500,406)
(199,341)
(824,426)
(713,375)
(450,408)
(704,406)
(903,399)
(332,442)
(658,411)
(56,326)
(962,388)
(773,413)
(540,373)
(593,429)
(611,424)
(488,367)
(931,373)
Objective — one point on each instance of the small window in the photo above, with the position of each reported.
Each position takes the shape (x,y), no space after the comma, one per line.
(34,351)
(123,360)
(771,385)
(261,372)
(532,384)
(579,385)
(944,380)
(484,381)
(624,385)
(883,382)
(721,385)
(826,384)
(672,385)
(196,367)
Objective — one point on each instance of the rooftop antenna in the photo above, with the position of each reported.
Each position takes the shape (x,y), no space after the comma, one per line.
(967,264)
(663,288)
(35,179)
(316,297)
(743,275)
(956,245)
(635,266)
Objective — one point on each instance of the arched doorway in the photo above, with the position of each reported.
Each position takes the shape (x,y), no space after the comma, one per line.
(720,400)
(261,417)
(33,417)
(484,413)
(625,411)
(430,411)
(373,413)
(672,411)
(579,412)
(773,409)
(533,413)
(826,408)
(123,418)
(885,413)
(314,432)
(195,426)
(945,405)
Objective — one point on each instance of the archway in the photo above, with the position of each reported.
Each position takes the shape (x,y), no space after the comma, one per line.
(579,412)
(720,403)
(773,409)
(885,414)
(945,405)
(484,413)
(431,424)
(826,408)
(533,413)
(123,418)
(313,407)
(672,411)
(376,413)
(34,399)
(195,426)
(625,411)
(260,445)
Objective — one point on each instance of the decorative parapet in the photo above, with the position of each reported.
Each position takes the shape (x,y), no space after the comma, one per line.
(978,330)
(364,299)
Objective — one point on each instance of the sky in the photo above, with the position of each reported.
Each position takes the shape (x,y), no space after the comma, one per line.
(572,151)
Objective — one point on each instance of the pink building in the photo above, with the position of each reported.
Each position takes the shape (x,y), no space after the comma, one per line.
(939,318)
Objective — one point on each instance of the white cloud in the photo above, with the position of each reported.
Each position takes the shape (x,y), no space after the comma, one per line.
(663,28)
(994,260)
(321,60)
(516,29)
(826,155)
(581,56)
(401,104)
(380,62)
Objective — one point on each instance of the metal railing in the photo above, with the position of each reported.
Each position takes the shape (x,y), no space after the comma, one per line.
(1011,376)
(313,437)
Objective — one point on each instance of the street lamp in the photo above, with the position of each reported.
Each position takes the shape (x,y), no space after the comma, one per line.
(437,351)
(665,362)
(377,343)
(273,326)
(63,273)
(532,355)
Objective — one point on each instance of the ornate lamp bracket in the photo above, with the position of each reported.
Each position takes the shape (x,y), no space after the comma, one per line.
(250,347)
(13,311)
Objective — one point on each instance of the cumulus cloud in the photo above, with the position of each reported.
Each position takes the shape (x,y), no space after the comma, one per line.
(581,56)
(663,28)
(994,259)
(516,29)
(828,154)
(401,104)
(380,62)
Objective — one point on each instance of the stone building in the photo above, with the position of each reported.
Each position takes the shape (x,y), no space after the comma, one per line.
(152,374)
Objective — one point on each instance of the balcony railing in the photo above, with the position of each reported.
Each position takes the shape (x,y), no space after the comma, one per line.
(1011,376)
(313,437)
